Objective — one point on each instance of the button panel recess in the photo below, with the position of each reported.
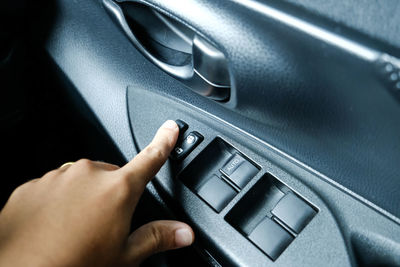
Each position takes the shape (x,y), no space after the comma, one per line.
(218,174)
(270,214)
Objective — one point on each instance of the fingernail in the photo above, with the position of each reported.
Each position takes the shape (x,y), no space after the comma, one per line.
(183,237)
(169,124)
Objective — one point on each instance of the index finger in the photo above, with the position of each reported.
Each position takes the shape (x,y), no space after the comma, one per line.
(142,168)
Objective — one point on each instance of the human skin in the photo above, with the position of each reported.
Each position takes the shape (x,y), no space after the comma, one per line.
(80,214)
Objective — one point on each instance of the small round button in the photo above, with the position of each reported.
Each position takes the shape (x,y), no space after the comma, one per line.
(190,139)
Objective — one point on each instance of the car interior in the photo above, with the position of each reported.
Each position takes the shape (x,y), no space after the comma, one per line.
(289,116)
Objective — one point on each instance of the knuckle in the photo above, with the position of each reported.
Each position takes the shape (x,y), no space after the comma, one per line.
(155,237)
(83,164)
(20,190)
(51,174)
(154,152)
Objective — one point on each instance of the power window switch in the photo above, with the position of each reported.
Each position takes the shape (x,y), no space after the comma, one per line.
(271,238)
(239,170)
(294,212)
(186,145)
(216,192)
(182,127)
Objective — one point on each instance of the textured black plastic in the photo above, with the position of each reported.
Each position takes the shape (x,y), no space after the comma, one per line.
(310,100)
(360,15)
(316,113)
(224,236)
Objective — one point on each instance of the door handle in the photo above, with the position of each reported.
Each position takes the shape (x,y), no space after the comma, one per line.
(174,47)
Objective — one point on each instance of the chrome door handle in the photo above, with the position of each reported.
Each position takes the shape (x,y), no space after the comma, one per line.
(206,70)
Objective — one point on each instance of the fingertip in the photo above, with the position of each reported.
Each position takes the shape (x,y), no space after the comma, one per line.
(184,237)
(169,130)
(170,124)
(148,162)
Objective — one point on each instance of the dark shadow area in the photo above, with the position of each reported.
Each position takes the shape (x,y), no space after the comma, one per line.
(49,130)
(42,127)
(44,122)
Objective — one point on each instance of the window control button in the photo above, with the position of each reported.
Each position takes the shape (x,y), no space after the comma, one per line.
(232,164)
(270,237)
(293,212)
(216,193)
(182,127)
(186,145)
(239,170)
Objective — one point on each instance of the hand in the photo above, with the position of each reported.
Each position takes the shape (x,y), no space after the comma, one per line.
(80,215)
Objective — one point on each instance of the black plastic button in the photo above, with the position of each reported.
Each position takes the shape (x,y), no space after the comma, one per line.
(270,238)
(239,170)
(233,163)
(293,212)
(216,193)
(186,145)
(182,127)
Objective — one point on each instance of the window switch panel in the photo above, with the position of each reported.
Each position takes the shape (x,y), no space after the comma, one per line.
(239,170)
(186,145)
(216,192)
(294,212)
(270,237)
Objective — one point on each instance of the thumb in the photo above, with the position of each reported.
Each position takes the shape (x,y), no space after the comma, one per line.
(156,237)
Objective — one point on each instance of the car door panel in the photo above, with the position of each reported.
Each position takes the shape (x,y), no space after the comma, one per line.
(309,102)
